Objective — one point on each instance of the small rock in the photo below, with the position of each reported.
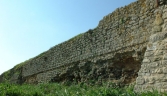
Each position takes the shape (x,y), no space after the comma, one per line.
(147,54)
(159,71)
(164,70)
(164,15)
(164,62)
(158,19)
(157,58)
(156,28)
(151,47)
(140,80)
(151,80)
(146,61)
(165,57)
(154,64)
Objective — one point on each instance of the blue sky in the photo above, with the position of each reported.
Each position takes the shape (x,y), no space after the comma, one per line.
(30,27)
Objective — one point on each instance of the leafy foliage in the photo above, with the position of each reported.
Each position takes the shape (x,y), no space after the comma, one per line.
(54,89)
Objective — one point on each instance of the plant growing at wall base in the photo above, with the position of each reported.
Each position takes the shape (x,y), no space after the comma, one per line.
(55,89)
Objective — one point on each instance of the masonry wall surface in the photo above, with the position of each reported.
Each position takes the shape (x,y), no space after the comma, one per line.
(152,75)
(126,29)
(113,51)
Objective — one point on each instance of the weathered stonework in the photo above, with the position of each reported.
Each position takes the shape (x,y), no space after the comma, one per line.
(128,43)
(153,73)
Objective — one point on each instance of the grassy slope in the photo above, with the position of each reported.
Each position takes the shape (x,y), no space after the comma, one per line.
(55,89)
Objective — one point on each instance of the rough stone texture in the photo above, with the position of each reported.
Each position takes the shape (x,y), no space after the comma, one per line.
(153,73)
(113,51)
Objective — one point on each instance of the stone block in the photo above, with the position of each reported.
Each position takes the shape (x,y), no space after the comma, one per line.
(140,80)
(158,52)
(157,29)
(151,46)
(147,74)
(158,85)
(165,10)
(158,36)
(164,15)
(164,62)
(159,70)
(164,70)
(162,47)
(149,87)
(160,77)
(158,19)
(165,56)
(154,64)
(146,79)
(164,79)
(157,58)
(151,80)
(146,60)
(164,86)
(141,74)
(145,70)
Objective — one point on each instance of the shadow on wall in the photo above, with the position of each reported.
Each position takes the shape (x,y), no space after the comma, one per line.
(122,69)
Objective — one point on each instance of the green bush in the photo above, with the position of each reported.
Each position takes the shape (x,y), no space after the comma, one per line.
(54,89)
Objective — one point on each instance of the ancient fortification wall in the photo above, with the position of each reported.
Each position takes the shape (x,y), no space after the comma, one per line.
(126,30)
(152,74)
(113,51)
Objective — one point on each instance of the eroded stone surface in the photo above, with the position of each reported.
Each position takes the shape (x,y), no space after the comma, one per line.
(128,41)
(112,51)
(158,65)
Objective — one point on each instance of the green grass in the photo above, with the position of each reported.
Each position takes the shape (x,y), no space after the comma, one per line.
(54,89)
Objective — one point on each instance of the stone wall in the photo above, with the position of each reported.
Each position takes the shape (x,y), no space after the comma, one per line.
(113,51)
(125,31)
(152,74)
